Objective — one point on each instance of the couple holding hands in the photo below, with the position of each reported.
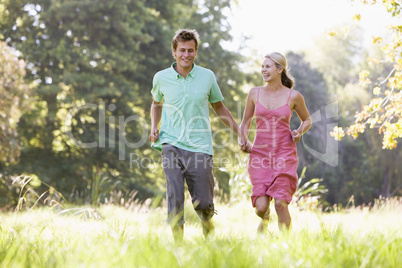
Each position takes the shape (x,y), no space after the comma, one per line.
(181,97)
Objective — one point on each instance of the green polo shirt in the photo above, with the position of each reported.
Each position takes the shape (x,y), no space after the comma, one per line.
(185,114)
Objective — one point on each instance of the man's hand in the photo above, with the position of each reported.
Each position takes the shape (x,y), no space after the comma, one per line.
(154,136)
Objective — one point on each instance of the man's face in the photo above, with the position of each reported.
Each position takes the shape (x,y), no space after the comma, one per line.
(185,54)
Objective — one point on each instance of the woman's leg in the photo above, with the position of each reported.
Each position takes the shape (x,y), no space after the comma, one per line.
(262,210)
(284,219)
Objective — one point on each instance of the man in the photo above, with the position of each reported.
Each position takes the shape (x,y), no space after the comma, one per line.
(181,95)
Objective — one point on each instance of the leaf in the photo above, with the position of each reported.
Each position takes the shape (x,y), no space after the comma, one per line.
(376,40)
(357,17)
(331,33)
(337,133)
(363,78)
(376,90)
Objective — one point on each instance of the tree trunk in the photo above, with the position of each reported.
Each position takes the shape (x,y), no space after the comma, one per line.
(391,166)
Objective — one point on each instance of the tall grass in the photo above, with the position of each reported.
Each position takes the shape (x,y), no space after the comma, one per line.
(113,236)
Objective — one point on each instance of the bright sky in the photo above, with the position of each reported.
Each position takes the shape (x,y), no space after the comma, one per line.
(282,25)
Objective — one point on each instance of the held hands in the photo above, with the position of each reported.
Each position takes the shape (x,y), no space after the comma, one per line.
(245,145)
(154,136)
(296,136)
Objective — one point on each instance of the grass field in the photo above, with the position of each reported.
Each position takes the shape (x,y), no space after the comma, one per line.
(112,236)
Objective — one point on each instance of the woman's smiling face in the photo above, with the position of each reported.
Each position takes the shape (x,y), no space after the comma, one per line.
(269,70)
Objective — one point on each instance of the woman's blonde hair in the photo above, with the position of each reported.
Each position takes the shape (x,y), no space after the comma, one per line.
(280,62)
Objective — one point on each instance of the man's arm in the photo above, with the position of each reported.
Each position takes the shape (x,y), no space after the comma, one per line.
(156,114)
(226,117)
(223,113)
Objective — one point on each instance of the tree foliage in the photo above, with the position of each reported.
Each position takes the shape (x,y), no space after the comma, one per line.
(93,61)
(363,169)
(384,111)
(14,93)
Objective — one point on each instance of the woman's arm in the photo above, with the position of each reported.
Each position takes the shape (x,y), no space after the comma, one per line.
(247,119)
(299,106)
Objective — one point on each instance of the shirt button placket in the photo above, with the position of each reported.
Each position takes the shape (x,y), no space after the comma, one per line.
(186,87)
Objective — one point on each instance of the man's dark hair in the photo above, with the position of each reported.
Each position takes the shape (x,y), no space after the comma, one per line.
(184,35)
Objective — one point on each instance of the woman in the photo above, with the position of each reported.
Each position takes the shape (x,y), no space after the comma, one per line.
(273,157)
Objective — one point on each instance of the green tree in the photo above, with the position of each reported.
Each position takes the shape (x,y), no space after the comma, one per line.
(14,94)
(94,61)
(358,172)
(14,97)
(381,77)
(83,55)
(385,106)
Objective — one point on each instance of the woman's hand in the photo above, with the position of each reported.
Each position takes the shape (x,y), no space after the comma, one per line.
(245,145)
(296,136)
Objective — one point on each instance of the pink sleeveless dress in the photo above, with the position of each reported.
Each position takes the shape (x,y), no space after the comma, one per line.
(273,159)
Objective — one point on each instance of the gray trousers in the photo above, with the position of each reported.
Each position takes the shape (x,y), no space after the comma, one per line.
(196,170)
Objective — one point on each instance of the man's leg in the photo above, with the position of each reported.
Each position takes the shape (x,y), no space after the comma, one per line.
(173,168)
(208,228)
(200,182)
(178,232)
